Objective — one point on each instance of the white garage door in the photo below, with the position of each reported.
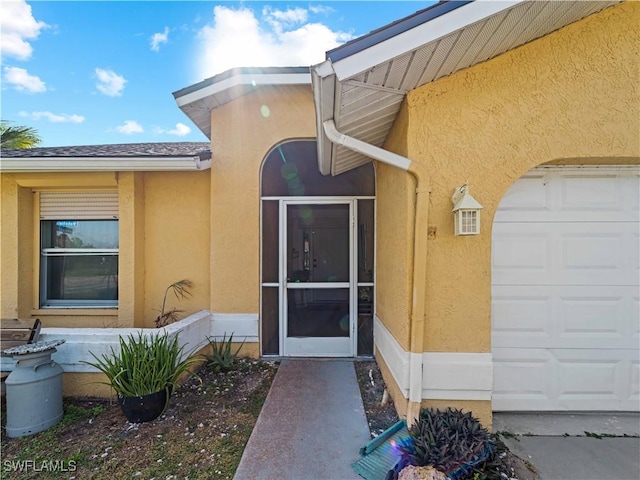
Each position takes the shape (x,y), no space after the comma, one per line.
(566,294)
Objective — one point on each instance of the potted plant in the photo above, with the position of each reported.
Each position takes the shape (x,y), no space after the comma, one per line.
(144,373)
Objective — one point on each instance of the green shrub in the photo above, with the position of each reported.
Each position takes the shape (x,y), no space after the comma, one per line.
(451,441)
(222,355)
(144,365)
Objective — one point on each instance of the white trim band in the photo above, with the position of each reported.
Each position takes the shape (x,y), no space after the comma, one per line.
(394,356)
(445,375)
(243,326)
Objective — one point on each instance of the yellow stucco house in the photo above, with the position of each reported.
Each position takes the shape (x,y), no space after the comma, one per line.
(319,221)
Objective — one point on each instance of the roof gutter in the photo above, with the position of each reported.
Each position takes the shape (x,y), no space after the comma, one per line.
(421,216)
(104,164)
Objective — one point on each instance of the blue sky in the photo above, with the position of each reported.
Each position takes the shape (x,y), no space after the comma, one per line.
(85,73)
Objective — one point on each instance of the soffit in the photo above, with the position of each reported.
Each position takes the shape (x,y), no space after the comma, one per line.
(366,86)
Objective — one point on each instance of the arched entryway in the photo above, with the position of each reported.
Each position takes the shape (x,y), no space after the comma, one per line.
(317,254)
(565,290)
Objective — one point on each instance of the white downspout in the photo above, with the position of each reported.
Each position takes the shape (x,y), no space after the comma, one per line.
(418,305)
(365,148)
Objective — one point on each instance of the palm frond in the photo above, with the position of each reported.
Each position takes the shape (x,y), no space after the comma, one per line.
(18,137)
(181,289)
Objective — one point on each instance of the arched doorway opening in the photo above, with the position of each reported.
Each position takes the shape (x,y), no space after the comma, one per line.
(317,251)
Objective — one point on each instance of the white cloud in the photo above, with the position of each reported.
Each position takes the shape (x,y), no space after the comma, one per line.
(321,9)
(129,127)
(236,38)
(54,117)
(280,19)
(181,130)
(23,81)
(159,38)
(18,27)
(109,82)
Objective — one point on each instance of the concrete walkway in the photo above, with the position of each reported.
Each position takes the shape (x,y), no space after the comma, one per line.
(559,448)
(311,426)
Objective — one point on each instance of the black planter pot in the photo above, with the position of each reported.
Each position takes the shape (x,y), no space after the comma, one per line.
(145,408)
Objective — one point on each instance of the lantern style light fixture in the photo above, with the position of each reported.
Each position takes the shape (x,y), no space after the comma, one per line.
(466,212)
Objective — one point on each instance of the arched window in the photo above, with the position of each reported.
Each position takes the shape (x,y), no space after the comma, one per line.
(291,170)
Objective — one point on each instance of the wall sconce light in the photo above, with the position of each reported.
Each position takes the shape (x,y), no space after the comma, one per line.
(466,212)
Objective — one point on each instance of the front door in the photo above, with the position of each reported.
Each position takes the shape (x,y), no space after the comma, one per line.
(318,278)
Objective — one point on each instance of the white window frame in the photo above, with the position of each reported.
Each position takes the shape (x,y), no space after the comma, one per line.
(74,206)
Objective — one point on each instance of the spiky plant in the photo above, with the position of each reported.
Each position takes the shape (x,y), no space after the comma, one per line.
(181,289)
(222,356)
(451,441)
(144,364)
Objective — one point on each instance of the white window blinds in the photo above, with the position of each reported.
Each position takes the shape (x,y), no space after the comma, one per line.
(95,205)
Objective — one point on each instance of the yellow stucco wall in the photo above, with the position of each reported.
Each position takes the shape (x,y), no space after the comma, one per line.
(570,95)
(85,385)
(10,244)
(395,199)
(176,227)
(164,236)
(243,133)
(394,250)
(19,247)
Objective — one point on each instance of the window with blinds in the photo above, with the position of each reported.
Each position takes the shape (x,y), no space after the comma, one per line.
(79,249)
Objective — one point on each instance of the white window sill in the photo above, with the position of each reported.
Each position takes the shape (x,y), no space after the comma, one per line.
(68,312)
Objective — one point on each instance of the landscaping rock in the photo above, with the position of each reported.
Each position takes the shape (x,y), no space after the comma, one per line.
(412,472)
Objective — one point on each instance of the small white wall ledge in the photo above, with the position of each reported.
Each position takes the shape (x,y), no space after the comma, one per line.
(193,333)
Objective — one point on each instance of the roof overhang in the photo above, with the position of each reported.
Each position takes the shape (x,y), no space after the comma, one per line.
(197,101)
(104,164)
(362,84)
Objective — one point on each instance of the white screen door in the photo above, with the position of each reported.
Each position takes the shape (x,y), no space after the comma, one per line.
(318,278)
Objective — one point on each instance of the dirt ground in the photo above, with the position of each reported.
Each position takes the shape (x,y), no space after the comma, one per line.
(201,435)
(380,416)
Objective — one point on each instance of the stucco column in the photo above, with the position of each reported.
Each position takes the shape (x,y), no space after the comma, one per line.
(131,258)
(8,257)
(17,254)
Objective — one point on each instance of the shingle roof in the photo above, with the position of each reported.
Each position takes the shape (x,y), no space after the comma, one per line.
(167,149)
(393,29)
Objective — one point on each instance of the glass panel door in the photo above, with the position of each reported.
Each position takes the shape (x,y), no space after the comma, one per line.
(318,260)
